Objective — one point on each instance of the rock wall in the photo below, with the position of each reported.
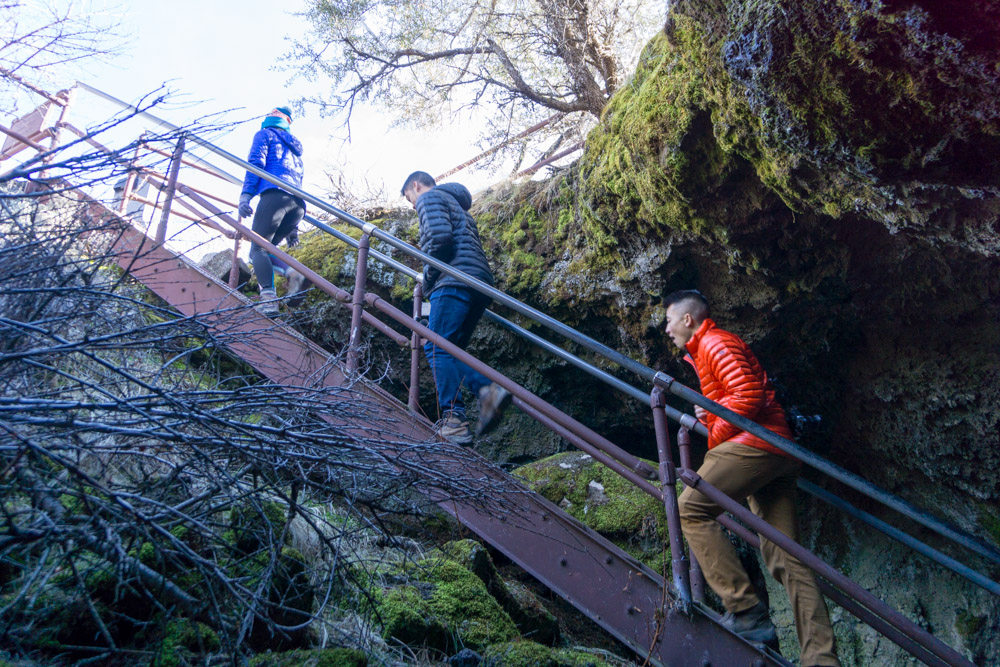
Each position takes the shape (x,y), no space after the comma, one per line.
(828,174)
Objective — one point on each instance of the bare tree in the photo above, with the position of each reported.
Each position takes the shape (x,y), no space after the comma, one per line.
(149,480)
(41,39)
(519,60)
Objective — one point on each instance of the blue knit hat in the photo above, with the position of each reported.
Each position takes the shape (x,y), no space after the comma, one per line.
(285,110)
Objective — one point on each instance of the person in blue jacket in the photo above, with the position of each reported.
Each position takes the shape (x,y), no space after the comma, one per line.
(278,152)
(449,233)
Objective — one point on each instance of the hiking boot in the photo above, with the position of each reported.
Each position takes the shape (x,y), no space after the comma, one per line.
(297,285)
(752,624)
(268,303)
(455,431)
(493,400)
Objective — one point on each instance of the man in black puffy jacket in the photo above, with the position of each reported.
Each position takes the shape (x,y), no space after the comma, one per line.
(448,233)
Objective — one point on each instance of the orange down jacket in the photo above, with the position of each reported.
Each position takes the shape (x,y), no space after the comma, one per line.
(731,376)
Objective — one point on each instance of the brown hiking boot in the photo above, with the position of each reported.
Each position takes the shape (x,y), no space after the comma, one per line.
(493,400)
(455,431)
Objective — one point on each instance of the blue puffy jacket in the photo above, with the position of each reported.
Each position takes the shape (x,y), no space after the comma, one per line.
(449,233)
(277,152)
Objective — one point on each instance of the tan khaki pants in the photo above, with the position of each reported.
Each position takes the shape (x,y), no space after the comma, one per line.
(767,481)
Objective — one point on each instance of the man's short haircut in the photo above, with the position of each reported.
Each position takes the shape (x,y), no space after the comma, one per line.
(695,302)
(421,177)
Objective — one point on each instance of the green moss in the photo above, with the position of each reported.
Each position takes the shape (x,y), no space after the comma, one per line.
(330,657)
(605,501)
(256,525)
(407,617)
(968,624)
(182,640)
(654,154)
(462,599)
(990,521)
(442,604)
(532,654)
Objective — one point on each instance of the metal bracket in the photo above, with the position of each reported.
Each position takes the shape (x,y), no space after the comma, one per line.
(661,379)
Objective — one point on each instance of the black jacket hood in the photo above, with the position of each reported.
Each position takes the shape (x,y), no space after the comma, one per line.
(460,193)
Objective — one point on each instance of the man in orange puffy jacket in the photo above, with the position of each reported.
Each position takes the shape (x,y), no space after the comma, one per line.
(744,466)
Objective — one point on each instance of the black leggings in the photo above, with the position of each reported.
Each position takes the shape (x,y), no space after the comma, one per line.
(278,214)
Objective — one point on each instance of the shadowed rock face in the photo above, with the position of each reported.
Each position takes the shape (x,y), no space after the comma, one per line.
(828,174)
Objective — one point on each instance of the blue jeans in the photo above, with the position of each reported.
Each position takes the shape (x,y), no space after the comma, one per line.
(455,311)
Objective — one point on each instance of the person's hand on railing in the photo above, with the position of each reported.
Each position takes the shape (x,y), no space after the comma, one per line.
(293,238)
(700,413)
(245,209)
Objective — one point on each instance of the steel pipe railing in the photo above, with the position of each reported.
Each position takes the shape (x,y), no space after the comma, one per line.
(831,469)
(619,459)
(319,281)
(634,463)
(175,166)
(900,536)
(413,395)
(661,379)
(668,489)
(697,577)
(823,569)
(841,474)
(357,304)
(854,481)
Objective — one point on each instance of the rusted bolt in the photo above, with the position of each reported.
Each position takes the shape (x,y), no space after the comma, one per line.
(545,517)
(563,562)
(630,610)
(608,560)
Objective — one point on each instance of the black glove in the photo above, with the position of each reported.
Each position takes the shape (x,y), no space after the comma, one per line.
(245,210)
(292,239)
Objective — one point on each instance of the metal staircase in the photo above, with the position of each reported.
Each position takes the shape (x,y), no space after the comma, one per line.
(667,623)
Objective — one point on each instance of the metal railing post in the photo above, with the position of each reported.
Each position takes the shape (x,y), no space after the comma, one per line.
(413,401)
(928,641)
(65,99)
(668,487)
(697,577)
(131,177)
(171,187)
(357,303)
(234,269)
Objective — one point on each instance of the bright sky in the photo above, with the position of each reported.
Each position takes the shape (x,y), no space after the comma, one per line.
(219,55)
(222,57)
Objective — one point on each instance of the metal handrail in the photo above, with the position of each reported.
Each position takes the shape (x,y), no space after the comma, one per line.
(837,472)
(831,469)
(684,419)
(660,379)
(564,423)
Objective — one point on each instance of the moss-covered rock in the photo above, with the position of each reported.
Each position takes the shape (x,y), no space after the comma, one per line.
(532,654)
(183,639)
(407,617)
(441,604)
(530,616)
(255,526)
(330,657)
(605,501)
